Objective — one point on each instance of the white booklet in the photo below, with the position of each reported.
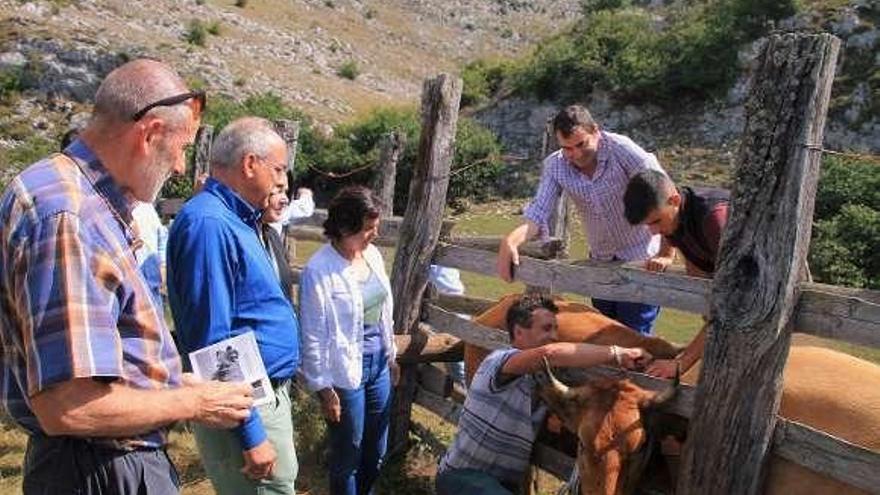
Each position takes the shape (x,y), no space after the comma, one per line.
(235,359)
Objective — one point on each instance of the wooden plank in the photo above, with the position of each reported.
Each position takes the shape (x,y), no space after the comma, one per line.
(553,461)
(545,250)
(466,330)
(760,264)
(289,132)
(424,345)
(435,380)
(469,305)
(447,409)
(316,234)
(828,455)
(592,278)
(391,147)
(389,227)
(201,166)
(420,231)
(851,315)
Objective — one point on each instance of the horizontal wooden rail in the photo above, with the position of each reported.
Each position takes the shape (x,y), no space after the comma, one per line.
(827,454)
(468,305)
(852,315)
(388,227)
(544,250)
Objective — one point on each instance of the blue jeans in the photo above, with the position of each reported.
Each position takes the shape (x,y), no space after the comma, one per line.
(359,440)
(639,317)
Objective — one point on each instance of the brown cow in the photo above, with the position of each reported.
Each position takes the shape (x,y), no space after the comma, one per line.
(606,415)
(822,388)
(576,323)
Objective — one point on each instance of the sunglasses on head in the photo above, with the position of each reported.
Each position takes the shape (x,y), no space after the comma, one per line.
(197,102)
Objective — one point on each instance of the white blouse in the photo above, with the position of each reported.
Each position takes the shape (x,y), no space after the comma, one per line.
(331,310)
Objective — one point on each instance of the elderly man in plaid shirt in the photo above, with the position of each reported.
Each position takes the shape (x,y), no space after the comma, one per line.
(593,167)
(87,365)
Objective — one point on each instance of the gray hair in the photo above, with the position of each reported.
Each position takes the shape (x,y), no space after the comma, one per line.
(240,137)
(136,84)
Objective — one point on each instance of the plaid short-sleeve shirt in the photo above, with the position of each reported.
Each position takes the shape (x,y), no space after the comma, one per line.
(75,300)
(599,199)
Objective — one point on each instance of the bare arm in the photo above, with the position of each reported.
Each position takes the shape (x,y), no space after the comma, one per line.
(86,407)
(665,256)
(572,355)
(508,250)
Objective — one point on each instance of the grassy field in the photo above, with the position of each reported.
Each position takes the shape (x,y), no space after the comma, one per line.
(414,474)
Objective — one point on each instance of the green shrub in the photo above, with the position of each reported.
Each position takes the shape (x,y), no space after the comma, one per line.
(214,28)
(846,229)
(690,51)
(196,33)
(348,70)
(10,83)
(482,79)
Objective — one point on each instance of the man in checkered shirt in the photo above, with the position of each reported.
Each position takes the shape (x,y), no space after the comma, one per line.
(593,168)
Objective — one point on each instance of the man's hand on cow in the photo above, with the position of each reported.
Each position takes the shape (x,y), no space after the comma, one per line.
(634,358)
(330,406)
(218,404)
(658,263)
(662,368)
(259,462)
(508,260)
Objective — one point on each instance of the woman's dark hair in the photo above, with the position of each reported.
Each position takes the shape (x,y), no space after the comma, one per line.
(349,210)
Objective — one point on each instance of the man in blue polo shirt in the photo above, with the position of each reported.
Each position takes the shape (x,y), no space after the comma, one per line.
(221,284)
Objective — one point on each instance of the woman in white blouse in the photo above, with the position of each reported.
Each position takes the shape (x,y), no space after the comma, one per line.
(348,340)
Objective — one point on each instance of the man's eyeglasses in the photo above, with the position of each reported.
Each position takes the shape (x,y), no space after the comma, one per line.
(197,103)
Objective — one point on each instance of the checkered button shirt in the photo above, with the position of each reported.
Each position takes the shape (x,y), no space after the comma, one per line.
(599,200)
(74,300)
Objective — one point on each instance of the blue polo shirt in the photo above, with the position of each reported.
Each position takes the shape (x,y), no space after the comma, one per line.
(222,284)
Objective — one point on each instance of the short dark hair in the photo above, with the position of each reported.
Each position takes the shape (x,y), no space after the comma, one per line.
(69,137)
(645,191)
(349,210)
(520,313)
(571,117)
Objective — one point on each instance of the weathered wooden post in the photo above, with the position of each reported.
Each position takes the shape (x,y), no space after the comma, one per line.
(204,138)
(390,149)
(761,263)
(560,219)
(420,230)
(289,132)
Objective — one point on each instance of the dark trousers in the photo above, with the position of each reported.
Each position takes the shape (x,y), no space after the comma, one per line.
(359,440)
(65,465)
(639,317)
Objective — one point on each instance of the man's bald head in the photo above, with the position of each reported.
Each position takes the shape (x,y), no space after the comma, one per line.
(136,84)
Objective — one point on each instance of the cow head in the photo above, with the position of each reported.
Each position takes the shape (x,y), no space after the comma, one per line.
(606,416)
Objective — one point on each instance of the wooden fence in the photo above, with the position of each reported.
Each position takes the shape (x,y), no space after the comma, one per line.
(757,297)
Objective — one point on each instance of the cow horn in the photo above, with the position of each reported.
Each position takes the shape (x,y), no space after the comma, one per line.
(668,393)
(561,388)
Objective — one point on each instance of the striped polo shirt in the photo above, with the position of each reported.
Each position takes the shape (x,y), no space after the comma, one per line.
(75,301)
(599,200)
(498,425)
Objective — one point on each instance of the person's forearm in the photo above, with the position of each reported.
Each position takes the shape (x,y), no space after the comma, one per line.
(521,234)
(561,354)
(87,408)
(694,351)
(667,250)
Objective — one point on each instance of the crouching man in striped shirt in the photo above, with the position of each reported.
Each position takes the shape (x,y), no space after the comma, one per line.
(502,414)
(593,168)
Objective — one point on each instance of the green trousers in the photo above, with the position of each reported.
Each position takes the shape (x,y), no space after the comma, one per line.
(222,456)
